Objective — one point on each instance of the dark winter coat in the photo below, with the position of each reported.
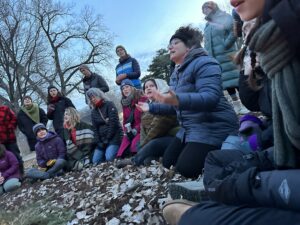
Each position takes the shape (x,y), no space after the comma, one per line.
(219,41)
(203,113)
(107,127)
(84,145)
(9,166)
(57,115)
(8,125)
(131,68)
(51,147)
(25,123)
(94,81)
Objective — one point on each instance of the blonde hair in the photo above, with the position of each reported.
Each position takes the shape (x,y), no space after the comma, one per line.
(74,116)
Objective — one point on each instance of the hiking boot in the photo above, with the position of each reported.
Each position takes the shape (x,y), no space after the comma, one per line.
(239,108)
(123,162)
(174,209)
(190,190)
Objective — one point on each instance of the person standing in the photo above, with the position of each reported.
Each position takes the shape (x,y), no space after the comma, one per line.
(220,42)
(92,80)
(128,68)
(29,115)
(8,125)
(57,104)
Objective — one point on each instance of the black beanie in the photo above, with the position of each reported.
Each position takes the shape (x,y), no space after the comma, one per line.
(52,86)
(182,36)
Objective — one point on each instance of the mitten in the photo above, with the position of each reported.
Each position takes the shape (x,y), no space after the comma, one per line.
(51,108)
(249,124)
(51,162)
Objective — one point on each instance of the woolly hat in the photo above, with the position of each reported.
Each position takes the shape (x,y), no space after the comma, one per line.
(38,127)
(83,66)
(122,47)
(52,86)
(126,82)
(95,92)
(244,121)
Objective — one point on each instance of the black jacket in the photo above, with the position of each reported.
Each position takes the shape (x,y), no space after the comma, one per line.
(106,123)
(95,81)
(25,123)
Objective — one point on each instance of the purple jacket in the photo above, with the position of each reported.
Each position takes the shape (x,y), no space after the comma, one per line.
(9,166)
(50,147)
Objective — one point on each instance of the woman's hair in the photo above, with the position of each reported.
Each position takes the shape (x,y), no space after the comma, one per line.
(191,37)
(59,94)
(152,80)
(96,92)
(74,116)
(254,76)
(136,94)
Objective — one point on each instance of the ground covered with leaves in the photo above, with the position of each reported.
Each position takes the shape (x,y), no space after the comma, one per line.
(96,195)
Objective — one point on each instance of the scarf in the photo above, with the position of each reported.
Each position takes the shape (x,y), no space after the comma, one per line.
(33,112)
(283,68)
(100,103)
(54,99)
(127,101)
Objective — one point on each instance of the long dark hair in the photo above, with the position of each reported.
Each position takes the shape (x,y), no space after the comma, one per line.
(59,94)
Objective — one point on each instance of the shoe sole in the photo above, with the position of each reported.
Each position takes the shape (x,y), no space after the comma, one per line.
(179,192)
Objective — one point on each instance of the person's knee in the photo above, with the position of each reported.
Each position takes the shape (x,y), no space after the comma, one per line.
(110,156)
(11,184)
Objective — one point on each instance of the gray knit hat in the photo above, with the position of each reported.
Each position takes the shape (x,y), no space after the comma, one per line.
(96,92)
(83,66)
(38,127)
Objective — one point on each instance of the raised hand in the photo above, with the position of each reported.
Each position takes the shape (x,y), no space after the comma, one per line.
(142,106)
(168,98)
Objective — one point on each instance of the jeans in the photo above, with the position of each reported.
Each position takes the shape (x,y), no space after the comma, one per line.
(35,173)
(108,154)
(10,185)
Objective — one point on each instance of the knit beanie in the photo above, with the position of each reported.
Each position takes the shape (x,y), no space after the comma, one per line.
(37,127)
(126,82)
(122,47)
(83,66)
(96,92)
(52,86)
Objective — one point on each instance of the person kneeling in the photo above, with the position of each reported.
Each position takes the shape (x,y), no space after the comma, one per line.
(50,154)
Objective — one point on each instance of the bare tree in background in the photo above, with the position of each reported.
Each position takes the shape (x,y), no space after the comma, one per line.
(43,42)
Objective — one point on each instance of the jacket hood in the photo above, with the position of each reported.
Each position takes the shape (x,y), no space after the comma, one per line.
(194,53)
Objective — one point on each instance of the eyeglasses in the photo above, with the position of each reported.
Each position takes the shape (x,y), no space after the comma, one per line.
(173,43)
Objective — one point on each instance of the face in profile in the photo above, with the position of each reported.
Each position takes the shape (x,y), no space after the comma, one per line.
(178,50)
(126,90)
(150,88)
(248,9)
(53,92)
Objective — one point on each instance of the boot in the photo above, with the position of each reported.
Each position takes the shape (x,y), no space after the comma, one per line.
(124,162)
(190,190)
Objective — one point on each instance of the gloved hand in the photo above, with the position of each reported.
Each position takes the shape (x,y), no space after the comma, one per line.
(250,124)
(252,143)
(131,134)
(51,108)
(51,162)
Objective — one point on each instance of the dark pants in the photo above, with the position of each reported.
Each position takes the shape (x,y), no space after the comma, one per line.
(218,214)
(153,149)
(188,158)
(31,143)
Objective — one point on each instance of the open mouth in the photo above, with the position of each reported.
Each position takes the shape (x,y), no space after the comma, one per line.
(235,3)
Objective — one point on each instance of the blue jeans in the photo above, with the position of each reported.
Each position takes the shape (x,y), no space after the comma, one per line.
(108,154)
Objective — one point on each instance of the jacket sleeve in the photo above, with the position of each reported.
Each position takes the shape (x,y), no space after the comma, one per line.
(102,83)
(20,123)
(12,119)
(208,88)
(160,125)
(95,127)
(14,165)
(136,70)
(113,121)
(229,36)
(39,158)
(162,109)
(69,103)
(248,97)
(43,117)
(50,113)
(61,148)
(286,15)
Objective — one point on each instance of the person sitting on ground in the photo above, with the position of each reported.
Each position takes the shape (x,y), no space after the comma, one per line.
(157,131)
(107,128)
(92,80)
(29,115)
(56,106)
(9,171)
(128,68)
(50,154)
(205,116)
(131,117)
(259,187)
(79,137)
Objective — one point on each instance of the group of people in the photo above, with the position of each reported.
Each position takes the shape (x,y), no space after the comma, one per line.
(248,163)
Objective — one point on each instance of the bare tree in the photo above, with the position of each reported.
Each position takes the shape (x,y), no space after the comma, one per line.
(43,42)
